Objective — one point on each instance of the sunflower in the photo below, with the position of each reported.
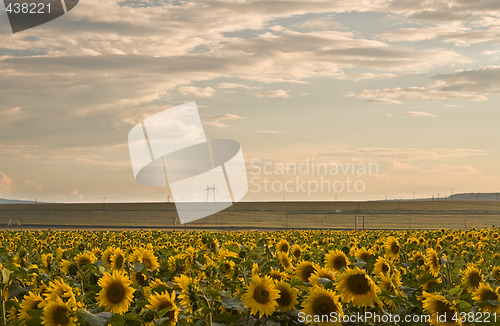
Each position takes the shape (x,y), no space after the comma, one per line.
(485,293)
(358,288)
(32,301)
(116,294)
(431,285)
(148,259)
(495,273)
(13,312)
(261,296)
(363,253)
(176,264)
(336,260)
(138,278)
(84,258)
(390,289)
(442,310)
(471,277)
(156,286)
(117,259)
(58,313)
(321,273)
(282,247)
(322,305)
(296,251)
(432,262)
(188,291)
(285,261)
(381,267)
(304,271)
(277,275)
(161,301)
(287,296)
(47,260)
(59,289)
(392,248)
(227,267)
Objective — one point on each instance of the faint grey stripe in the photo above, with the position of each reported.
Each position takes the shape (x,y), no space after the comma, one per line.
(64,6)
(228,183)
(147,140)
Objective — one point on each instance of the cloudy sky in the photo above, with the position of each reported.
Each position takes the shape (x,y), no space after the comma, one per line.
(409,85)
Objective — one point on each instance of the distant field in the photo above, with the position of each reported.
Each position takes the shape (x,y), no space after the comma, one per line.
(258,215)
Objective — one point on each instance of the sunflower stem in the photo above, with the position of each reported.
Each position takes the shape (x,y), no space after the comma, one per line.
(3,308)
(248,317)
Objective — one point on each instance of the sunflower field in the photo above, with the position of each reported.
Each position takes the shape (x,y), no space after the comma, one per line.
(444,277)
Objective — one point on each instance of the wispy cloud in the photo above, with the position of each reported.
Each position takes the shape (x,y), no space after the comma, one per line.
(197,91)
(76,194)
(421,114)
(274,94)
(6,183)
(222,120)
(267,132)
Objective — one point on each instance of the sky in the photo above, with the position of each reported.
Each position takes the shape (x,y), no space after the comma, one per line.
(391,99)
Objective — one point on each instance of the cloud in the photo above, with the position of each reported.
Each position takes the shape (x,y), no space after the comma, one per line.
(274,94)
(77,194)
(474,85)
(33,184)
(386,154)
(197,91)
(444,10)
(234,85)
(421,114)
(267,132)
(6,183)
(221,121)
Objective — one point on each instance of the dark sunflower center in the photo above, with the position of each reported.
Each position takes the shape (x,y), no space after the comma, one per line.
(118,261)
(284,248)
(276,276)
(395,248)
(358,284)
(364,256)
(323,306)
(444,309)
(139,277)
(115,292)
(307,272)
(285,298)
(286,262)
(60,316)
(35,304)
(431,284)
(83,260)
(339,262)
(297,253)
(434,261)
(226,268)
(147,262)
(488,295)
(474,279)
(261,294)
(170,314)
(385,268)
